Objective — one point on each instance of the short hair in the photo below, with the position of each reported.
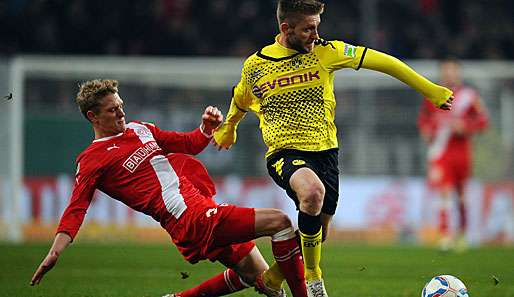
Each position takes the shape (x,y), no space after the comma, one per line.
(293,10)
(92,92)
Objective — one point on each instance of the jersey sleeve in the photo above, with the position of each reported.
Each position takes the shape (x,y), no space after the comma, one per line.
(179,142)
(242,102)
(337,54)
(86,179)
(243,94)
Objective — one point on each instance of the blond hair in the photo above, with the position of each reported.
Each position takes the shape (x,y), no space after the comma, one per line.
(92,92)
(293,10)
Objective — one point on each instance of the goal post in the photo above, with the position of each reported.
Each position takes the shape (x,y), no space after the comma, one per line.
(11,150)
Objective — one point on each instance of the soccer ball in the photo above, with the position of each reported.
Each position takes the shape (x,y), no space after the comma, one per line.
(445,286)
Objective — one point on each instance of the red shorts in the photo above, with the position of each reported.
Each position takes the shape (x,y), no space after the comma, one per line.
(218,232)
(449,171)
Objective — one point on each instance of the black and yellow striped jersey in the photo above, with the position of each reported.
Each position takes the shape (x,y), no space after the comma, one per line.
(293,93)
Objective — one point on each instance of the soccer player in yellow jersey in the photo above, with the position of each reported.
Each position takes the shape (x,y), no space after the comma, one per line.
(289,85)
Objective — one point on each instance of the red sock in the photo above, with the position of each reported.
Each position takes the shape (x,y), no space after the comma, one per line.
(224,283)
(463,222)
(289,259)
(443,221)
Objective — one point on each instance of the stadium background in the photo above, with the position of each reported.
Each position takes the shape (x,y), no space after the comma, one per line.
(174,57)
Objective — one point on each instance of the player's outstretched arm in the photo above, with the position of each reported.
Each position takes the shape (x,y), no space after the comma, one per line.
(226,135)
(61,241)
(378,61)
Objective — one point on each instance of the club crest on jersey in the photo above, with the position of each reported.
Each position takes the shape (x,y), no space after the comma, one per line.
(143,133)
(295,62)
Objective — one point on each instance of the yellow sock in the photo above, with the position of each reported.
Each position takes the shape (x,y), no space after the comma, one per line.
(311,250)
(273,277)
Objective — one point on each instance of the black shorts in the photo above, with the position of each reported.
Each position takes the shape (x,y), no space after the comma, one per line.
(283,164)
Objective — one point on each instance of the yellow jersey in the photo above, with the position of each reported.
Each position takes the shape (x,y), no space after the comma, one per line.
(293,93)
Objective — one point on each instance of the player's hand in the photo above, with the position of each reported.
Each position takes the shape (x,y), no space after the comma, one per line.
(448,104)
(45,266)
(211,119)
(219,147)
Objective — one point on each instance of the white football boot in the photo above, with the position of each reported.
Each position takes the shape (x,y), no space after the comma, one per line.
(316,288)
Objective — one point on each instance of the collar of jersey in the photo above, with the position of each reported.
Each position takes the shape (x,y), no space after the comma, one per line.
(277,52)
(108,137)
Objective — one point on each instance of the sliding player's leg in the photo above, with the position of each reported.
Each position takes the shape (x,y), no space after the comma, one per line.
(230,245)
(274,223)
(244,263)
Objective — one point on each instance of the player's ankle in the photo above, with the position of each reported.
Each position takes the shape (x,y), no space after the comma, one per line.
(313,274)
(271,282)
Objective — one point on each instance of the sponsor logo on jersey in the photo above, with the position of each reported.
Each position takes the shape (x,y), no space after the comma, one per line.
(256,74)
(259,90)
(298,162)
(140,155)
(350,50)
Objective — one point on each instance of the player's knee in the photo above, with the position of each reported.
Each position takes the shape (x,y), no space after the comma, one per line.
(312,199)
(281,221)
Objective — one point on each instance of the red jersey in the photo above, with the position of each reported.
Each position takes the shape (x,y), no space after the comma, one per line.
(134,167)
(438,125)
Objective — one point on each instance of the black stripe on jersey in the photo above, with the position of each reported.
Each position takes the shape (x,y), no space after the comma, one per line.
(233,91)
(362,58)
(261,55)
(240,107)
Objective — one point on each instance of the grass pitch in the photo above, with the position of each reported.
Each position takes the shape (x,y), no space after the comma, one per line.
(130,270)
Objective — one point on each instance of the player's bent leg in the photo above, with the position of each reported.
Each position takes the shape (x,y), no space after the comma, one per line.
(269,221)
(310,192)
(284,246)
(221,284)
(252,268)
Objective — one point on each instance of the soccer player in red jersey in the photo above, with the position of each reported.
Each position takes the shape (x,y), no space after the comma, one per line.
(147,169)
(448,135)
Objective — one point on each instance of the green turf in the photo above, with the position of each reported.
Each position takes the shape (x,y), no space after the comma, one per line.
(116,270)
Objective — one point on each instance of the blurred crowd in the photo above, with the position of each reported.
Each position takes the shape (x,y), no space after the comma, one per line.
(473,29)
